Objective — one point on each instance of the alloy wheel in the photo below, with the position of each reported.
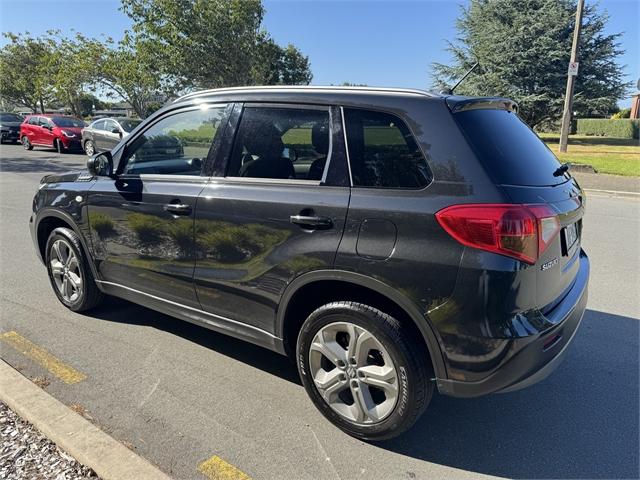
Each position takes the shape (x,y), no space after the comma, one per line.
(25,143)
(65,270)
(88,148)
(353,373)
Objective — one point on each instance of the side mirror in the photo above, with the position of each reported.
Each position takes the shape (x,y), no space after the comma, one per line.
(101,165)
(117,131)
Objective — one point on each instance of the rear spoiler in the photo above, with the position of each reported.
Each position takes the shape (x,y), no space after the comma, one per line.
(461,104)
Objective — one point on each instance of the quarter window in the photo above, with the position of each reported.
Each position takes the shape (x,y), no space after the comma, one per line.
(281,143)
(383,152)
(176,145)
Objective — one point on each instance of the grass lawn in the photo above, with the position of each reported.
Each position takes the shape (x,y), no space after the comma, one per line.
(618,156)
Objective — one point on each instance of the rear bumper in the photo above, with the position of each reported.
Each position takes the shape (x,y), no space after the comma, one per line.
(10,135)
(534,357)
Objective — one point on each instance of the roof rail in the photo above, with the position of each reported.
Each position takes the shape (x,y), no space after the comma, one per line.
(314,88)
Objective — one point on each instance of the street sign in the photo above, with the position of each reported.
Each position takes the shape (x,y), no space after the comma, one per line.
(573,68)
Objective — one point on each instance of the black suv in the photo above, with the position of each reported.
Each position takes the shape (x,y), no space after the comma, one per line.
(391,242)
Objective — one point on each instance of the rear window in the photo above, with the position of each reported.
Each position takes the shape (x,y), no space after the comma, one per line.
(510,151)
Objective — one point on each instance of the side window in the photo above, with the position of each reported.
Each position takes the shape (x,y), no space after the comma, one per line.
(110,125)
(280,142)
(176,145)
(383,152)
(33,121)
(99,125)
(44,122)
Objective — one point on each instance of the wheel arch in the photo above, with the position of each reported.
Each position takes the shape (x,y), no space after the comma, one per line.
(50,219)
(324,286)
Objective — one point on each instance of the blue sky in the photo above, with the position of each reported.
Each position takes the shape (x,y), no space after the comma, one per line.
(387,43)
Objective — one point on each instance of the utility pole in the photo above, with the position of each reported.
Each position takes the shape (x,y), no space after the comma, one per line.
(571,77)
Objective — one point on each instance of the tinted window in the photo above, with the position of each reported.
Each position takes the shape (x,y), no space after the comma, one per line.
(129,125)
(44,122)
(10,117)
(67,122)
(382,152)
(176,145)
(33,120)
(509,150)
(281,143)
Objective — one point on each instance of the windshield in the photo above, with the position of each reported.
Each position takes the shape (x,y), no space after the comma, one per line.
(510,151)
(10,117)
(67,122)
(129,125)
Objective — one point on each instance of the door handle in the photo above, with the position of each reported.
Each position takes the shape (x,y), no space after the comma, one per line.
(311,222)
(178,208)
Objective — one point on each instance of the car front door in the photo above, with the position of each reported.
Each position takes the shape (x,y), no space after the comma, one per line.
(111,134)
(141,222)
(261,222)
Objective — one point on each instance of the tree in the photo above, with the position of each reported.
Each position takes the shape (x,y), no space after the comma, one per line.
(212,43)
(25,71)
(523,48)
(274,65)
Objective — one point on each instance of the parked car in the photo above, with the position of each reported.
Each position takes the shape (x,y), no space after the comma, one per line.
(58,131)
(105,133)
(10,127)
(391,242)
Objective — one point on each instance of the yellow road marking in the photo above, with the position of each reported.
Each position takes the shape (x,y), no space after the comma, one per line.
(217,469)
(39,355)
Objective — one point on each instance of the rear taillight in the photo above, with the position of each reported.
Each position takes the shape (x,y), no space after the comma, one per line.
(519,231)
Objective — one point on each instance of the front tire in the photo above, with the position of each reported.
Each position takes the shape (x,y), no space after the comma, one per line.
(69,271)
(364,370)
(26,144)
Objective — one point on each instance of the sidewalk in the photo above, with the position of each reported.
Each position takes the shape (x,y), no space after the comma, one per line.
(610,183)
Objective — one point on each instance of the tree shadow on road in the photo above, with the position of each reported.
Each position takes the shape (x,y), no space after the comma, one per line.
(581,422)
(122,311)
(53,163)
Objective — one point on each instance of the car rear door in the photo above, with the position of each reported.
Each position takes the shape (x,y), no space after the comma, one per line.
(45,134)
(141,222)
(260,223)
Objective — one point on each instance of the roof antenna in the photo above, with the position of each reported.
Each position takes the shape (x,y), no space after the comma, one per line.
(449,91)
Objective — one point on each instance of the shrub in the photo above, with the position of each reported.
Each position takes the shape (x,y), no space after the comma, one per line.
(624,113)
(102,225)
(604,127)
(148,228)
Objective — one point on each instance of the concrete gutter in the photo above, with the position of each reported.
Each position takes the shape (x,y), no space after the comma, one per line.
(110,459)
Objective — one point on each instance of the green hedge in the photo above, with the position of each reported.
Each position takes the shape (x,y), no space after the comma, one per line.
(605,127)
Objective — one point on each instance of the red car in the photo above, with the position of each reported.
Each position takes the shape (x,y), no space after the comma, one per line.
(57,131)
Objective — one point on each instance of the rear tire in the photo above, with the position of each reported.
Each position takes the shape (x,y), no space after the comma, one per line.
(89,148)
(69,271)
(378,382)
(26,144)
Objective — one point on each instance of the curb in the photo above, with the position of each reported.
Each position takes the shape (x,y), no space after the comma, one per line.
(81,439)
(614,193)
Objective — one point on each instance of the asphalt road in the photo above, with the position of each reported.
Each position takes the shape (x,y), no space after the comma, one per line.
(180,394)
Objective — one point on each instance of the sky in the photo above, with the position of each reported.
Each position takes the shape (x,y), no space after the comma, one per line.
(381,43)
